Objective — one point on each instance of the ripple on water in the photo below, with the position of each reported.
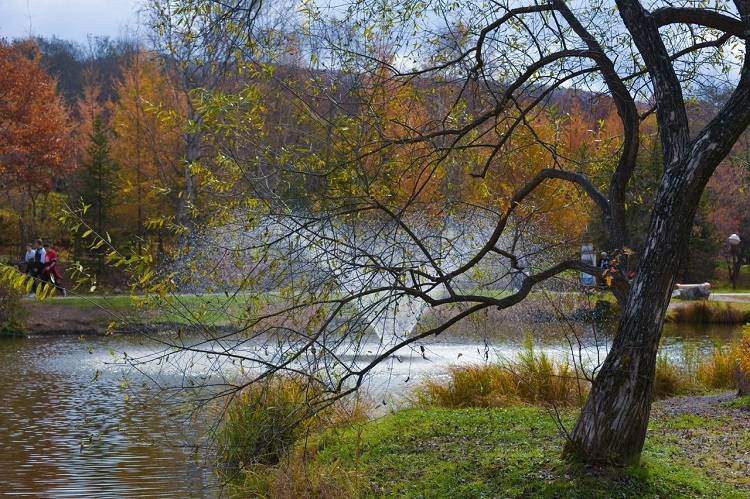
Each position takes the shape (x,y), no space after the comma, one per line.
(67,432)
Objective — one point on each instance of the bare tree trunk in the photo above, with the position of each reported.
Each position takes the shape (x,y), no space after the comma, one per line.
(612,426)
(192,154)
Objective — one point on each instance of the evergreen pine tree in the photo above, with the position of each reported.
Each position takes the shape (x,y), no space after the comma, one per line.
(99,179)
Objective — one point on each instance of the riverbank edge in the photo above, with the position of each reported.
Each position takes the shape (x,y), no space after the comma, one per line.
(93,315)
(154,328)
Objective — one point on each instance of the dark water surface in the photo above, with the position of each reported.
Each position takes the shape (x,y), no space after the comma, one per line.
(69,427)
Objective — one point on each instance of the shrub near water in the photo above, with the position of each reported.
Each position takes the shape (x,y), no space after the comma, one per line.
(706,312)
(534,378)
(671,379)
(719,369)
(261,423)
(11,311)
(697,371)
(264,421)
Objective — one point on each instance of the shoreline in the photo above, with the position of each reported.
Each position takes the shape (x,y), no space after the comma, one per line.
(60,316)
(45,319)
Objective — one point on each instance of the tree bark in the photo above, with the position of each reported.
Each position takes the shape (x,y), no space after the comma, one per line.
(612,426)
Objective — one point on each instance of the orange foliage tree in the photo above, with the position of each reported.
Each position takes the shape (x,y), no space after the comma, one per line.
(35,146)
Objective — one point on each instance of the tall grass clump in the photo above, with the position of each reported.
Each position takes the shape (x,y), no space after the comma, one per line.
(264,421)
(672,378)
(719,369)
(743,350)
(533,378)
(261,423)
(298,475)
(743,364)
(697,370)
(706,312)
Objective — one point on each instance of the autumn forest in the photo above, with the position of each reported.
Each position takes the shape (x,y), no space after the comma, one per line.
(377,248)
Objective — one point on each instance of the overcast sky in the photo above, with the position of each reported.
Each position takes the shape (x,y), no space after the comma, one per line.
(69,19)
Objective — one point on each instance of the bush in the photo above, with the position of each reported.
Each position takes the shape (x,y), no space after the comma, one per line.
(12,313)
(533,379)
(264,421)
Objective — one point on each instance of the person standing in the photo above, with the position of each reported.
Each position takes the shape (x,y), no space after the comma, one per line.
(29,259)
(603,268)
(603,260)
(40,256)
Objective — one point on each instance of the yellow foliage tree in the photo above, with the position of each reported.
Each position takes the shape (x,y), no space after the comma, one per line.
(147,120)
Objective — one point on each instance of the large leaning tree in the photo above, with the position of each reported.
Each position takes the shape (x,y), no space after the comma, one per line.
(418,167)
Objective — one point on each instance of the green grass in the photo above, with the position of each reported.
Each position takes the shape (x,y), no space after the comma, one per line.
(726,287)
(689,422)
(499,452)
(739,403)
(208,309)
(111,301)
(213,309)
(743,306)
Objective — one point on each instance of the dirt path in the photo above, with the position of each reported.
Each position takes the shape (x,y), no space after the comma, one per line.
(702,405)
(730,297)
(707,433)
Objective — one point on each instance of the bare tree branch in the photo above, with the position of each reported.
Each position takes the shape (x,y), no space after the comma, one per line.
(703,17)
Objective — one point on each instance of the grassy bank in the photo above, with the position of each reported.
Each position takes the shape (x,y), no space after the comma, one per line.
(94,314)
(487,431)
(209,309)
(219,309)
(487,452)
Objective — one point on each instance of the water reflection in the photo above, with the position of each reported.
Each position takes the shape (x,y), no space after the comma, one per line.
(704,334)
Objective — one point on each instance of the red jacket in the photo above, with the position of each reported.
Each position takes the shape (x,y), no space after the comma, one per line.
(50,266)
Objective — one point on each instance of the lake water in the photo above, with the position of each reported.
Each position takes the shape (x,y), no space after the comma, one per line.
(68,428)
(75,424)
